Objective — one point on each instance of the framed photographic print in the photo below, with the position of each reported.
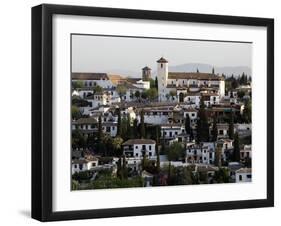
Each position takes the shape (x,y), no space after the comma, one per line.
(146,112)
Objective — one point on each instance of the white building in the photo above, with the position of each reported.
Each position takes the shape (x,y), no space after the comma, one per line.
(171,131)
(203,153)
(243,175)
(93,79)
(83,165)
(138,147)
(110,128)
(246,152)
(227,148)
(157,116)
(191,82)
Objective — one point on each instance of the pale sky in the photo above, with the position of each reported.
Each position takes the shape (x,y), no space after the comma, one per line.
(114,54)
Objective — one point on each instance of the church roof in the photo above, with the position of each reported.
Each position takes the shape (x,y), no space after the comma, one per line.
(146,68)
(139,141)
(194,75)
(89,76)
(162,60)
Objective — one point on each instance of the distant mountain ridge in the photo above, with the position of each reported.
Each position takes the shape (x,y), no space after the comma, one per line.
(191,67)
(207,68)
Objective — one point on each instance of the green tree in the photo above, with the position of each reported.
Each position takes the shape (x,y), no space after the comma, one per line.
(187,124)
(100,144)
(78,140)
(119,121)
(152,83)
(215,129)
(222,175)
(175,152)
(236,148)
(218,153)
(202,124)
(156,82)
(247,112)
(121,90)
(231,125)
(152,93)
(124,126)
(77,84)
(75,112)
(97,89)
(74,184)
(234,83)
(173,93)
(137,94)
(240,94)
(135,129)
(117,145)
(124,168)
(157,149)
(144,95)
(129,127)
(142,124)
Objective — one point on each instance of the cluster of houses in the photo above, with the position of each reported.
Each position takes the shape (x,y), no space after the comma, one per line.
(179,95)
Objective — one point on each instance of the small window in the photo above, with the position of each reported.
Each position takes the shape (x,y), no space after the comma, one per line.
(161,65)
(240,177)
(149,147)
(137,154)
(150,154)
(249,176)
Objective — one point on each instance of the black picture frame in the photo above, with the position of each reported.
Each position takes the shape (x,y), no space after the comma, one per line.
(42,111)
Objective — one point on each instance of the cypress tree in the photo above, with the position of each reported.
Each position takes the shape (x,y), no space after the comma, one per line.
(202,124)
(124,168)
(236,150)
(231,126)
(187,124)
(119,126)
(218,155)
(129,130)
(215,129)
(157,149)
(142,125)
(135,129)
(156,83)
(100,136)
(188,128)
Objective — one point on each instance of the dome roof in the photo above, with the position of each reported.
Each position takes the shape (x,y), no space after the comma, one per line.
(162,60)
(146,68)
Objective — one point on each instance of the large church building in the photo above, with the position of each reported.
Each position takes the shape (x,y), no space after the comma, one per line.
(180,85)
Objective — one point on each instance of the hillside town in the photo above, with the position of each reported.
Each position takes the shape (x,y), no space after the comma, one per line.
(162,129)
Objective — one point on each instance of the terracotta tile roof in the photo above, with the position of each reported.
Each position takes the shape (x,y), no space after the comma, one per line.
(244,170)
(116,79)
(85,121)
(89,76)
(194,75)
(139,141)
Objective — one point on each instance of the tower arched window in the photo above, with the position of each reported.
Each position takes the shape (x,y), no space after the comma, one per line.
(161,65)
